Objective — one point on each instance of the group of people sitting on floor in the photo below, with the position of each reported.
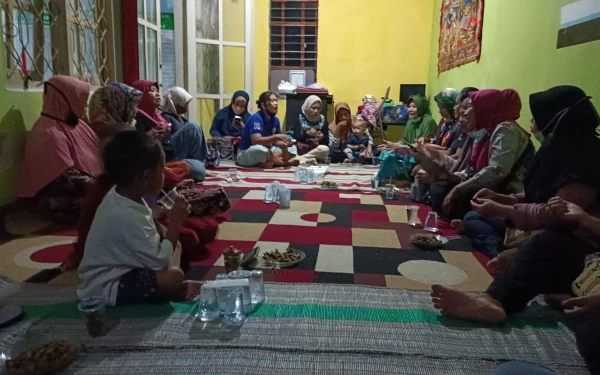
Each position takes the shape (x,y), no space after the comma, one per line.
(537,214)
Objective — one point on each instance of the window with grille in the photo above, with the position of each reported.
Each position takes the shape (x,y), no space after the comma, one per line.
(43,38)
(294,26)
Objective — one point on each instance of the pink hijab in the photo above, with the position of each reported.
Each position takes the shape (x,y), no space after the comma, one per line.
(53,146)
(491,108)
(145,107)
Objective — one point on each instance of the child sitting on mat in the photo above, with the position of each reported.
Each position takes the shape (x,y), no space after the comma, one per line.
(126,259)
(358,142)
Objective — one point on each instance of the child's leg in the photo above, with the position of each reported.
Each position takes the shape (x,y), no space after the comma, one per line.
(349,153)
(143,285)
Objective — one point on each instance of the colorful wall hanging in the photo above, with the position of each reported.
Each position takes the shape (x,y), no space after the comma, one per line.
(461,24)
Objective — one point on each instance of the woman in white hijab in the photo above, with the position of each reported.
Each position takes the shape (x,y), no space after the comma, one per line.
(311,131)
(175,105)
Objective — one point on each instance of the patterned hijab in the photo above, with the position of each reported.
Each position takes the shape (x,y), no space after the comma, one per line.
(111,105)
(447,99)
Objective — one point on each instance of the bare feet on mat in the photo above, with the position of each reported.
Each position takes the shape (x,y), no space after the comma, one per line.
(267,165)
(555,300)
(192,289)
(458,225)
(285,155)
(292,163)
(467,306)
(211,174)
(500,263)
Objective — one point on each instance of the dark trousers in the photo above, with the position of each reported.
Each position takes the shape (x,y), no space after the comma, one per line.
(546,263)
(486,234)
(439,190)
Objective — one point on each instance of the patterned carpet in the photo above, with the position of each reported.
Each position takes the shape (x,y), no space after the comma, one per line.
(349,236)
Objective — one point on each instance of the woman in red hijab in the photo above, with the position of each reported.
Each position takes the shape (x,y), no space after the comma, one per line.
(61,153)
(500,147)
(186,143)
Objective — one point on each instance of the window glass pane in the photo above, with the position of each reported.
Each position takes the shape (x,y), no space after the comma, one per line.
(23,40)
(234,21)
(151,11)
(88,9)
(142,51)
(140,9)
(207,69)
(152,48)
(234,72)
(207,19)
(89,53)
(74,42)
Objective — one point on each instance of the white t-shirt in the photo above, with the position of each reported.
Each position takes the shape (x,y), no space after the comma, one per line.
(122,237)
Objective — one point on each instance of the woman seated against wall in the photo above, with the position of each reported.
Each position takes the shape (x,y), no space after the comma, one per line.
(263,144)
(396,162)
(448,143)
(551,260)
(61,153)
(339,131)
(186,143)
(111,105)
(174,106)
(230,120)
(311,131)
(500,148)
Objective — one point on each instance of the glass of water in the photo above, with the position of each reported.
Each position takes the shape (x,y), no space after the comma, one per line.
(168,199)
(431,222)
(243,274)
(208,306)
(233,174)
(234,314)
(390,191)
(257,287)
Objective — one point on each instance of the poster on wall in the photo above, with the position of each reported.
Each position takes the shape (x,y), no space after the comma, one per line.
(579,23)
(461,23)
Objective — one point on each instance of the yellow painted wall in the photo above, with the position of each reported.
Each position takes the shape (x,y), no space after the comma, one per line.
(519,52)
(364,46)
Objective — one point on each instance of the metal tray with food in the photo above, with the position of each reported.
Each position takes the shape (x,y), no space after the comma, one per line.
(430,241)
(283,259)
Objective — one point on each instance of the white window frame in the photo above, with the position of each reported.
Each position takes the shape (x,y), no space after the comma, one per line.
(61,40)
(147,25)
(190,56)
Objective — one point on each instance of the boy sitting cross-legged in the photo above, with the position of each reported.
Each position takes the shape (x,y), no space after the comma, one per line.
(126,260)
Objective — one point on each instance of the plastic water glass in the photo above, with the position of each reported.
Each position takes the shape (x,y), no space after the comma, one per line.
(233,174)
(208,305)
(242,274)
(285,197)
(375,160)
(390,191)
(431,223)
(257,287)
(234,314)
(168,199)
(268,194)
(222,292)
(275,185)
(303,175)
(327,160)
(94,309)
(375,183)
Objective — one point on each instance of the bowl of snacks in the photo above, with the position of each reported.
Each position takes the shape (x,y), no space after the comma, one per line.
(283,259)
(328,185)
(428,241)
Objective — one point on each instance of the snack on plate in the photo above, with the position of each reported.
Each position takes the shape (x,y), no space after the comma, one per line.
(48,359)
(425,240)
(232,258)
(328,184)
(287,256)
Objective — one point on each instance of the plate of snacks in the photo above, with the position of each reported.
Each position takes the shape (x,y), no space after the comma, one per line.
(328,185)
(429,241)
(283,259)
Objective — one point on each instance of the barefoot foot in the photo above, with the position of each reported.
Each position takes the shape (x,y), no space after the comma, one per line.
(458,225)
(292,163)
(462,305)
(267,165)
(499,264)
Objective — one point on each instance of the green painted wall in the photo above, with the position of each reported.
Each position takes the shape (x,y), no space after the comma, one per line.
(519,52)
(18,112)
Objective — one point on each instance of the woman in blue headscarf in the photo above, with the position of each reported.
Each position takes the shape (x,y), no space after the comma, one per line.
(230,120)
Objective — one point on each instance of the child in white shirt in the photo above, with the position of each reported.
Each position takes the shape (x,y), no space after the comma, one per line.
(126,260)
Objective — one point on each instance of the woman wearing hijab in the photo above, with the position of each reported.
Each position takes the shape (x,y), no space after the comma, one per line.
(447,129)
(311,131)
(500,148)
(226,123)
(338,132)
(175,105)
(113,105)
(184,144)
(61,153)
(551,260)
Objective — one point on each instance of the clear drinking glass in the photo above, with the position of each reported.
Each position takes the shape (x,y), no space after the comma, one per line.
(94,309)
(242,274)
(222,292)
(375,183)
(268,194)
(168,199)
(257,287)
(285,196)
(390,191)
(233,174)
(431,223)
(375,160)
(303,175)
(275,185)
(208,305)
(234,308)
